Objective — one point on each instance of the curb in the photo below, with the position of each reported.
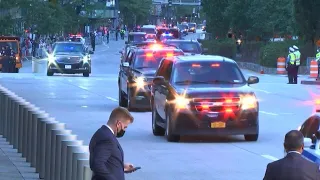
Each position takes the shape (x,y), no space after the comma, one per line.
(307,82)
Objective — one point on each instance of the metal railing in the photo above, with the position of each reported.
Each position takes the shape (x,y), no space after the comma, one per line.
(47,145)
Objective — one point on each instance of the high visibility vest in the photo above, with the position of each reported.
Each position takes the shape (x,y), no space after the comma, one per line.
(298,54)
(292,58)
(318,56)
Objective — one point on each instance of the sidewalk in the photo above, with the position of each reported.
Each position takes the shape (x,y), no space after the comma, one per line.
(12,165)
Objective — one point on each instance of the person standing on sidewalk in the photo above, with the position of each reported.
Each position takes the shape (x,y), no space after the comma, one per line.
(106,154)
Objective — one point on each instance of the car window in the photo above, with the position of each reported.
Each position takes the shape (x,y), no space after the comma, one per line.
(188,47)
(208,72)
(136,38)
(148,60)
(148,30)
(12,44)
(310,127)
(69,48)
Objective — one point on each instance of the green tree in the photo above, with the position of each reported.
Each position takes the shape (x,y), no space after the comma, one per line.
(135,11)
(307,17)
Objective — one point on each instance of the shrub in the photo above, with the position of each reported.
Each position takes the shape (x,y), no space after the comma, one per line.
(221,47)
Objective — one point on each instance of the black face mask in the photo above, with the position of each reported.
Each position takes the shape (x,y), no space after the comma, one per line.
(120,133)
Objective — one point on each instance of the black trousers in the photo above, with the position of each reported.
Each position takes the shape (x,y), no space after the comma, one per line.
(292,74)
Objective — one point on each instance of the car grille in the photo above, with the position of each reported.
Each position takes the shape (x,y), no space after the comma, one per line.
(68,60)
(215,104)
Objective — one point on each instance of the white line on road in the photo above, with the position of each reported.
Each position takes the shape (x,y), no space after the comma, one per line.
(269,113)
(262,91)
(112,99)
(82,87)
(270,157)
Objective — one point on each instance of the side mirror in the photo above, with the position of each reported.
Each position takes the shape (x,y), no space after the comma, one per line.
(253,80)
(90,52)
(307,142)
(158,80)
(126,42)
(125,64)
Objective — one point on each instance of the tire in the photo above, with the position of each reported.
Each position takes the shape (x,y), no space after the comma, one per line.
(86,74)
(156,129)
(251,137)
(49,73)
(122,100)
(171,137)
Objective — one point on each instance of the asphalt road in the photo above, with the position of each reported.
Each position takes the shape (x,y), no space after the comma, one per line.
(84,104)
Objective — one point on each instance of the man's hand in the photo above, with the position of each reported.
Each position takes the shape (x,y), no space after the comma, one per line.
(128,168)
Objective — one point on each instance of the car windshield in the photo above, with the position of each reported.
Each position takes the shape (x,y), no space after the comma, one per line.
(137,38)
(151,60)
(188,47)
(207,73)
(12,44)
(68,48)
(148,30)
(191,25)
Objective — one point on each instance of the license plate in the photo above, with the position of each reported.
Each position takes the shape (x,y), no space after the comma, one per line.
(67,66)
(218,125)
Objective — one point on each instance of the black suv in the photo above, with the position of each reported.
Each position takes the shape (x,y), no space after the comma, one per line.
(69,58)
(187,46)
(137,71)
(203,95)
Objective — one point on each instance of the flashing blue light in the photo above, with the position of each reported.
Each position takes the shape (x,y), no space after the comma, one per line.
(167,34)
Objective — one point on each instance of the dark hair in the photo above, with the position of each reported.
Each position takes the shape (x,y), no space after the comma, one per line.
(293,140)
(120,113)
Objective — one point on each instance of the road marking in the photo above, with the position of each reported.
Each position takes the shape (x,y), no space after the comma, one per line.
(82,87)
(270,157)
(84,106)
(269,113)
(287,113)
(262,91)
(112,99)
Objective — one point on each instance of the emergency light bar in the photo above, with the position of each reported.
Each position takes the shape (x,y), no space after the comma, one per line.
(12,38)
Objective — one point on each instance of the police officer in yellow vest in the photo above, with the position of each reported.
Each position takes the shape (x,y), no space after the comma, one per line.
(291,67)
(318,60)
(298,55)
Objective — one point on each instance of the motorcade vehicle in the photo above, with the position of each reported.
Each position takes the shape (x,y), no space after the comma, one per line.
(69,58)
(189,47)
(166,36)
(175,32)
(149,29)
(127,47)
(192,27)
(136,37)
(76,38)
(310,129)
(150,37)
(183,29)
(16,58)
(137,71)
(203,95)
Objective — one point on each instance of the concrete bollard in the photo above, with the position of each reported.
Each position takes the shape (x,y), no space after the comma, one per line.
(25,130)
(54,143)
(10,119)
(9,115)
(41,161)
(29,130)
(32,134)
(87,173)
(64,157)
(80,164)
(21,121)
(1,111)
(71,150)
(17,118)
(58,163)
(77,154)
(5,115)
(34,65)
(49,152)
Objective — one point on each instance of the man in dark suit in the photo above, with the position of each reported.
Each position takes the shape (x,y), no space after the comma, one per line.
(293,166)
(106,154)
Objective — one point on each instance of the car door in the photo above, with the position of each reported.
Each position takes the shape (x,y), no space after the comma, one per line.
(124,73)
(164,88)
(157,89)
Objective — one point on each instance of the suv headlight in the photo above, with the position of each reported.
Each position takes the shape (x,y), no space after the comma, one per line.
(249,102)
(140,82)
(51,58)
(85,59)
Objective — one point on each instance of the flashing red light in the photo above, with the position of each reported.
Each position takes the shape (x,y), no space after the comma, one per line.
(229,110)
(215,65)
(149,55)
(228,101)
(196,65)
(169,54)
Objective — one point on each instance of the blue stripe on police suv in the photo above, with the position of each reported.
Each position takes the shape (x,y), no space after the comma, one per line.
(312,155)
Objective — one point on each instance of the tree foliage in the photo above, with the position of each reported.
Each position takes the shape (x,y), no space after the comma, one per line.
(135,11)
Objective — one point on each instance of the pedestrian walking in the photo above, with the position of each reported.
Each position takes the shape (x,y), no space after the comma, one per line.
(293,166)
(106,154)
(93,41)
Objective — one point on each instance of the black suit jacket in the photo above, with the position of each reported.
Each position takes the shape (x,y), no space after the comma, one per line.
(106,156)
(292,167)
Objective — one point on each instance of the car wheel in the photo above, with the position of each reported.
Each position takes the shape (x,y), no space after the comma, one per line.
(49,73)
(156,129)
(171,137)
(122,100)
(86,74)
(251,137)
